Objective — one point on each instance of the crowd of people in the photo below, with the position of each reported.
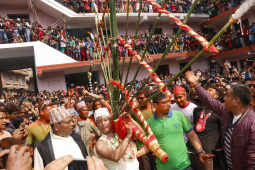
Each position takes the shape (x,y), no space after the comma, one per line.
(210,7)
(84,49)
(207,124)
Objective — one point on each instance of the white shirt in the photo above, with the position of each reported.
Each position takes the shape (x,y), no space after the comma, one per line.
(188,111)
(91,113)
(61,146)
(236,118)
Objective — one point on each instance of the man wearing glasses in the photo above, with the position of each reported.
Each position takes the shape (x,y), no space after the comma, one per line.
(168,127)
(38,130)
(146,162)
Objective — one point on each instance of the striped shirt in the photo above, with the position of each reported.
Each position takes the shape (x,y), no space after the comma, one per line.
(227,140)
(227,144)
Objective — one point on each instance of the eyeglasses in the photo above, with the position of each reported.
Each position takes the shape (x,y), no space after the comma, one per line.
(169,101)
(140,98)
(46,102)
(251,85)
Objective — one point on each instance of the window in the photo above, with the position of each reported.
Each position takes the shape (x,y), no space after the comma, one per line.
(20,80)
(6,78)
(158,31)
(162,69)
(23,80)
(14,79)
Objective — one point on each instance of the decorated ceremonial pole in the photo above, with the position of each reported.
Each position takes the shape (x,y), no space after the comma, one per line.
(191,62)
(115,56)
(163,56)
(237,16)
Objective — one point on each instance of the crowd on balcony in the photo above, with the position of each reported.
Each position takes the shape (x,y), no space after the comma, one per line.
(210,7)
(83,49)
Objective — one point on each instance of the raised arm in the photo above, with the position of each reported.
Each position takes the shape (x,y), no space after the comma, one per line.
(211,103)
(107,152)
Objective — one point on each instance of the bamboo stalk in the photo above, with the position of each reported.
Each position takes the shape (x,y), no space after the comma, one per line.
(164,54)
(102,63)
(107,9)
(176,35)
(125,43)
(136,31)
(146,47)
(131,58)
(114,49)
(189,64)
(123,63)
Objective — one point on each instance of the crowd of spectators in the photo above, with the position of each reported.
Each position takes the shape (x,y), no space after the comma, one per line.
(83,49)
(23,115)
(210,7)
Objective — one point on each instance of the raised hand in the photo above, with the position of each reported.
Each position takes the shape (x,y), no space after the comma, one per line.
(71,92)
(21,160)
(191,78)
(60,163)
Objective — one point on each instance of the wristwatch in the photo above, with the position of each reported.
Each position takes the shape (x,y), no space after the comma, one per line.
(201,152)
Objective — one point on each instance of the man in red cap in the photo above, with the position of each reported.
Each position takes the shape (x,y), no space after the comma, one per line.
(182,105)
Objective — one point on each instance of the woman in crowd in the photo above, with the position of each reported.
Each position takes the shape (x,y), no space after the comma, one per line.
(116,153)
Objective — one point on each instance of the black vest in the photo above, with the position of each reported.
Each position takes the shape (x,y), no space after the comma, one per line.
(45,148)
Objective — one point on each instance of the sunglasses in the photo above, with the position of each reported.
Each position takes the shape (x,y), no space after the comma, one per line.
(45,103)
(251,85)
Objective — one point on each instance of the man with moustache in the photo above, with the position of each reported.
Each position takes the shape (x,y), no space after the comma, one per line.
(237,122)
(168,127)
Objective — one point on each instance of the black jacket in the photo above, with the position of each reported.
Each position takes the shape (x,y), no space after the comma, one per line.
(46,151)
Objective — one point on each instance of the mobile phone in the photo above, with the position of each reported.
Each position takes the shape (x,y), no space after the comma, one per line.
(231,69)
(79,91)
(78,164)
(249,62)
(212,81)
(22,125)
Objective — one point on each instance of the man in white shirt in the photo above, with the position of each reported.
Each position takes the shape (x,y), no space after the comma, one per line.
(182,105)
(60,141)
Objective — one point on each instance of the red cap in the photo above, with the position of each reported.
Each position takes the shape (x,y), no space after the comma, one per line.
(179,89)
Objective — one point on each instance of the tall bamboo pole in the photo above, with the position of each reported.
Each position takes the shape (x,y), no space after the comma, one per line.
(163,56)
(131,57)
(115,56)
(189,64)
(146,47)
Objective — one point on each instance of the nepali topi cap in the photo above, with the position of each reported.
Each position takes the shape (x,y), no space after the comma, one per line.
(58,114)
(80,105)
